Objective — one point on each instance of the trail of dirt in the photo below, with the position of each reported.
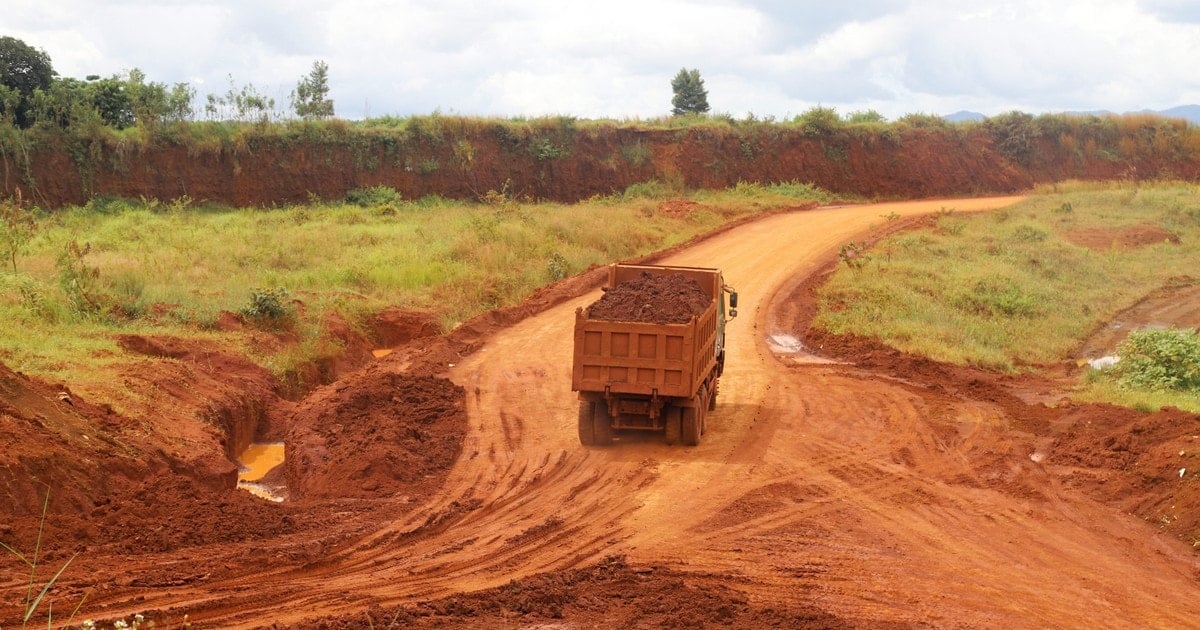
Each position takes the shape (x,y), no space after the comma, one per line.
(877,491)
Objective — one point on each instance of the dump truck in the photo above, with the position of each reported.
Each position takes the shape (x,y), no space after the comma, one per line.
(636,374)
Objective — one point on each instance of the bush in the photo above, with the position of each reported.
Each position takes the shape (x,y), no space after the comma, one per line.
(1160,360)
(374,196)
(268,306)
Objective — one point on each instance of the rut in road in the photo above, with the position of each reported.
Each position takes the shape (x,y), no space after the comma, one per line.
(884,500)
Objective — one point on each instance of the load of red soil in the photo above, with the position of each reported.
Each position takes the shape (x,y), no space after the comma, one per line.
(652,299)
(382,434)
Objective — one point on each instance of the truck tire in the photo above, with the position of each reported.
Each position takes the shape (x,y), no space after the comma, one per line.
(690,425)
(712,401)
(586,432)
(671,420)
(602,432)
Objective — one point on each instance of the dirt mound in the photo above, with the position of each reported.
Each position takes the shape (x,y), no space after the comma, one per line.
(395,326)
(611,594)
(652,299)
(381,434)
(1134,460)
(1130,237)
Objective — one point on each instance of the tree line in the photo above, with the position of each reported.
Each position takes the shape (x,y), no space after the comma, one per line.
(32,93)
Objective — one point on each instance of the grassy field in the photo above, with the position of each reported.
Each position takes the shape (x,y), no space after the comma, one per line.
(1010,289)
(173,268)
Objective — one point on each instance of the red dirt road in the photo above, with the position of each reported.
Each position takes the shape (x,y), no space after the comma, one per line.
(889,493)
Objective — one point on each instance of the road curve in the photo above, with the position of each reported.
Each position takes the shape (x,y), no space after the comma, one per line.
(872,498)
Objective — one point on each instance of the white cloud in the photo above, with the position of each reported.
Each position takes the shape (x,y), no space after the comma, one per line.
(616,59)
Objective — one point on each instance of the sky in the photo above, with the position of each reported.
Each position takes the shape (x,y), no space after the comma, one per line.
(615,59)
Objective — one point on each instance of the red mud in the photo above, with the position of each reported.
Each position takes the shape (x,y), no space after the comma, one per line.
(405,512)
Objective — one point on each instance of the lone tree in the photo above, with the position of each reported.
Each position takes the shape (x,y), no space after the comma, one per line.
(690,95)
(311,99)
(22,70)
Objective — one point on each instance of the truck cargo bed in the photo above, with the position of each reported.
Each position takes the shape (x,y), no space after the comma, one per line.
(670,360)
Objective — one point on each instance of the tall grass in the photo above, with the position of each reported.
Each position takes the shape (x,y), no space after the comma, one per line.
(1009,288)
(173,268)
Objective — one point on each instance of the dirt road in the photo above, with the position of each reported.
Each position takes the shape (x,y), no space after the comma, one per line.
(815,483)
(863,497)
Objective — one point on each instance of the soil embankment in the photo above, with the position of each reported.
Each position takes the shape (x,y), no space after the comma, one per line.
(465,159)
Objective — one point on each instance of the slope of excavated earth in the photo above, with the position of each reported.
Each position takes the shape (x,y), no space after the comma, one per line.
(380,435)
(862,488)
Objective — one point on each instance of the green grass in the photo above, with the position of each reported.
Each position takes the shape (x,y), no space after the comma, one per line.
(1007,289)
(173,268)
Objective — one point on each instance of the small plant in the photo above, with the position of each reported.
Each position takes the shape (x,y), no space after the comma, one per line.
(545,149)
(32,602)
(181,203)
(17,227)
(79,280)
(854,255)
(558,267)
(636,154)
(891,216)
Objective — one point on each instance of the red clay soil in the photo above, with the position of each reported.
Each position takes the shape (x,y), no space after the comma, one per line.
(381,435)
(652,299)
(1129,237)
(610,594)
(884,490)
(1120,456)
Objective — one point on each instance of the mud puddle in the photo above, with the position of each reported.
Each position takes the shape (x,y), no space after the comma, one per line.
(790,346)
(257,461)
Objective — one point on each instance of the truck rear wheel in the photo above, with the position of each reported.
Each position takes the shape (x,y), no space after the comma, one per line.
(671,420)
(712,401)
(602,432)
(586,432)
(690,425)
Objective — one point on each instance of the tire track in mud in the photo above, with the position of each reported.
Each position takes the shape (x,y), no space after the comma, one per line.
(879,500)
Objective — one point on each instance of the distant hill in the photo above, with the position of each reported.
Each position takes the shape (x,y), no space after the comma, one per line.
(1190,113)
(964,116)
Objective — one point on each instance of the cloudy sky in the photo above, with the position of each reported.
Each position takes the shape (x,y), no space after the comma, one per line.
(615,59)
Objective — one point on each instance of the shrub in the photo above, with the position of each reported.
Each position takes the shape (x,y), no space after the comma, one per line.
(819,121)
(268,306)
(373,196)
(1160,360)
